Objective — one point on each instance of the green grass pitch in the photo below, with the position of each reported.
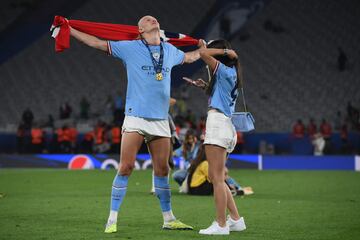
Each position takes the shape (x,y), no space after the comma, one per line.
(62,204)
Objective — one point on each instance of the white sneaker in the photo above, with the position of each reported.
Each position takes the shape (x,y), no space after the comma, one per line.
(236,226)
(215,229)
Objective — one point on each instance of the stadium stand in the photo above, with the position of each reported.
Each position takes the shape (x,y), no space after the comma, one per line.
(41,79)
(294,74)
(289,74)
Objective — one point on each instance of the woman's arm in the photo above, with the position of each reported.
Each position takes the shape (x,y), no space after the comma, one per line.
(207,54)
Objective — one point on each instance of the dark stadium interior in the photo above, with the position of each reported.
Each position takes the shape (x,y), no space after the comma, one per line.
(300,61)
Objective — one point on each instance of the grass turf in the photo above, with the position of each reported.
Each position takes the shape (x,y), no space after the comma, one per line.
(62,204)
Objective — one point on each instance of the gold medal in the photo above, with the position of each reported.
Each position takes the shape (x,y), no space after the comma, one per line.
(159,76)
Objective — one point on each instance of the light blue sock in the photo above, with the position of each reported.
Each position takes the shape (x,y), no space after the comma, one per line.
(162,191)
(118,191)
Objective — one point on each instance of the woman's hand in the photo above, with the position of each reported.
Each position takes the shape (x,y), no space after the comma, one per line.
(197,83)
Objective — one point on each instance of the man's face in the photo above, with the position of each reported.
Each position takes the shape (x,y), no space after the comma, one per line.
(148,24)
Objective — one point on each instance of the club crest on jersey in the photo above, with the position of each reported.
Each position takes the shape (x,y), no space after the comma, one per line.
(156,55)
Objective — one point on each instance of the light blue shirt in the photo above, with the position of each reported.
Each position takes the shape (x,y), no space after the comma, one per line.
(146,97)
(225,93)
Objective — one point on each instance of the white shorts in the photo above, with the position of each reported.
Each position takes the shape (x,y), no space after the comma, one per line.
(149,128)
(220,131)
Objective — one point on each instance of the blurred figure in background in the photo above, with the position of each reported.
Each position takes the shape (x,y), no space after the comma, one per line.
(319,144)
(299,129)
(311,128)
(188,151)
(326,132)
(37,139)
(65,111)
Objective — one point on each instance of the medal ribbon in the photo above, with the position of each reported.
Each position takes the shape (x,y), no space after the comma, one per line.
(157,65)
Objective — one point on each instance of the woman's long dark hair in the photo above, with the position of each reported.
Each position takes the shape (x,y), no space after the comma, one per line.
(222,44)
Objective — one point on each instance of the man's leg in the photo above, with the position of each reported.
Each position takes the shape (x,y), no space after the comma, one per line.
(130,144)
(159,150)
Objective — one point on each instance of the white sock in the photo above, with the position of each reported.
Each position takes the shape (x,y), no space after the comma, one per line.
(113,216)
(234,221)
(168,216)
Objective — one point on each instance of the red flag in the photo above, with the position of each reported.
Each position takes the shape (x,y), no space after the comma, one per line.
(61,32)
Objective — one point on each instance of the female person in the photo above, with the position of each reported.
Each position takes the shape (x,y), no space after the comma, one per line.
(188,151)
(220,136)
(198,181)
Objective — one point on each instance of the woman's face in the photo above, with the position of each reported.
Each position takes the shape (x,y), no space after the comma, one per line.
(190,139)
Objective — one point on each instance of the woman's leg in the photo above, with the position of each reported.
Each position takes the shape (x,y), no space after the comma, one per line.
(216,157)
(231,206)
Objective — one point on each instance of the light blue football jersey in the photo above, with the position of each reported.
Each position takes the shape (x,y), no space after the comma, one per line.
(225,92)
(146,97)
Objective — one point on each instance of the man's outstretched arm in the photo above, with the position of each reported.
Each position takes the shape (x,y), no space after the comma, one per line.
(193,56)
(89,40)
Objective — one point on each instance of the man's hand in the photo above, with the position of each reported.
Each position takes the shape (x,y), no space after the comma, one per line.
(197,83)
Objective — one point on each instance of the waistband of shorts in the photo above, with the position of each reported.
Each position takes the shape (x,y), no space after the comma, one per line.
(216,111)
(210,110)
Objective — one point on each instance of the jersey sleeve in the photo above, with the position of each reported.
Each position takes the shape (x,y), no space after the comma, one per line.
(176,55)
(219,71)
(120,49)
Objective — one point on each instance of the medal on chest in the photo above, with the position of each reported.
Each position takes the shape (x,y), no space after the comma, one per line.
(157,64)
(159,76)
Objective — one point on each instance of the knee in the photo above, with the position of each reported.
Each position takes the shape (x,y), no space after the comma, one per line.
(216,178)
(125,169)
(161,171)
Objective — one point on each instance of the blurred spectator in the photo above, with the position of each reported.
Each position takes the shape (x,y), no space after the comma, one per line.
(299,129)
(73,133)
(311,128)
(197,181)
(326,132)
(115,139)
(27,118)
(188,151)
(342,60)
(325,129)
(37,139)
(84,108)
(101,143)
(64,139)
(87,143)
(319,144)
(65,111)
